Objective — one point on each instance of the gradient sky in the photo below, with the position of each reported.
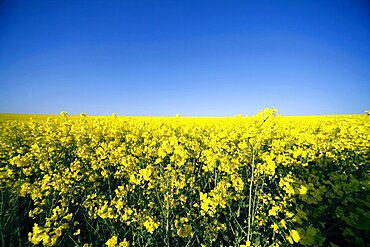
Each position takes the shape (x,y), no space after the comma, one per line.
(196,58)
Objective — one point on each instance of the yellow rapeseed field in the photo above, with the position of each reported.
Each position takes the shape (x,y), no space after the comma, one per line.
(266,180)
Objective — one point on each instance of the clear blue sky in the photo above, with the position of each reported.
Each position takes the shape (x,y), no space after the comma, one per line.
(198,58)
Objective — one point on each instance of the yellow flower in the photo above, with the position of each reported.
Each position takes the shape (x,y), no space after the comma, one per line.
(150,225)
(68,217)
(295,235)
(290,240)
(124,243)
(77,232)
(247,244)
(283,223)
(303,190)
(112,242)
(275,227)
(273,211)
(289,214)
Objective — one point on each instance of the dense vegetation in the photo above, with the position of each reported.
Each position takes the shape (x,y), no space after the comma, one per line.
(265,180)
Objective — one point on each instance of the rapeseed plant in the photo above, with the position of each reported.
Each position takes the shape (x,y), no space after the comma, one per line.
(265,180)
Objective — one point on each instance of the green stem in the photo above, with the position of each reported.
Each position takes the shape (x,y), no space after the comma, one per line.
(1,213)
(168,211)
(250,196)
(255,205)
(254,147)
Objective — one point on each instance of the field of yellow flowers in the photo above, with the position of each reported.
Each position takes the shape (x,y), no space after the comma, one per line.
(265,180)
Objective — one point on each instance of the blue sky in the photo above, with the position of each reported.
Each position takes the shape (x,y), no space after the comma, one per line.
(196,58)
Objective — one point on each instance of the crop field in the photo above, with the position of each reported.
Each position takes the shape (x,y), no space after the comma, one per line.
(266,180)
